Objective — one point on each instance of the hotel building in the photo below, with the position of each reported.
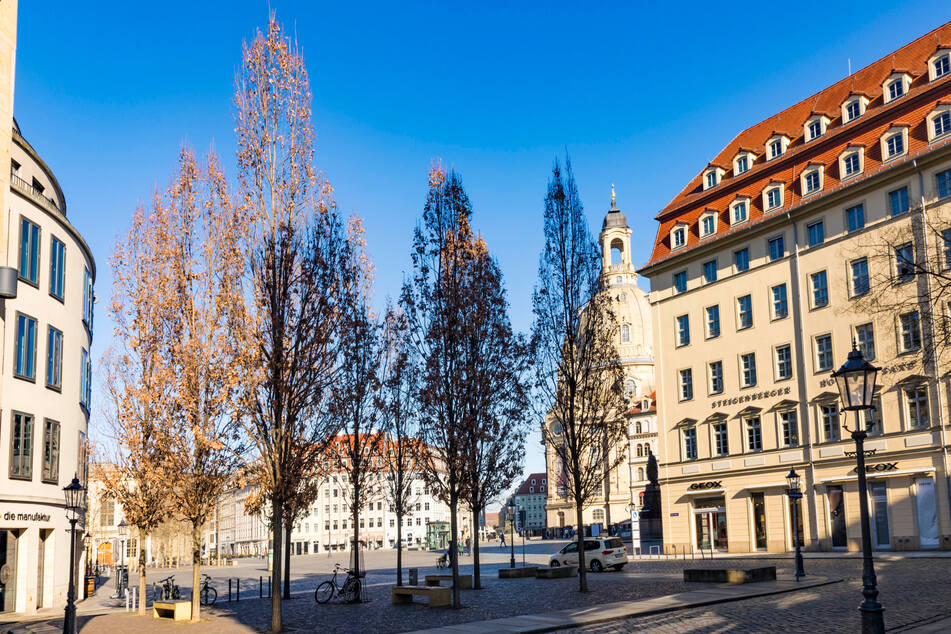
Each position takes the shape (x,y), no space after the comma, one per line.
(760,275)
(46,303)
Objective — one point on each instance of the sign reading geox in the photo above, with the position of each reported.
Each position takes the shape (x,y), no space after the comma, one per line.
(705,485)
(873,468)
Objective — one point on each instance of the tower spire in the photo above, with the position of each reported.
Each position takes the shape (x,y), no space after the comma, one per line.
(613,203)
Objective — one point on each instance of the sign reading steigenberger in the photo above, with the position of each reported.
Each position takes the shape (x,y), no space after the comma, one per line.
(752,396)
(10,516)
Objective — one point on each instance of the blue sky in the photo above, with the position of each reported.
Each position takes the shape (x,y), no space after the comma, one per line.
(641,97)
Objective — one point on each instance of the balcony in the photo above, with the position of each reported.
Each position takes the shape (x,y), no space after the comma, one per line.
(31,192)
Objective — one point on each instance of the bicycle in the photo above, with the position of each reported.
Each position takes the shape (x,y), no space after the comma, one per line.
(166,589)
(349,592)
(207,595)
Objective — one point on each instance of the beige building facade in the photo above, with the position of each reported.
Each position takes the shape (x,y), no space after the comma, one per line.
(761,276)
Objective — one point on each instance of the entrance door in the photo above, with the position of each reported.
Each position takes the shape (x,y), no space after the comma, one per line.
(837,517)
(878,493)
(710,524)
(927,513)
(759,520)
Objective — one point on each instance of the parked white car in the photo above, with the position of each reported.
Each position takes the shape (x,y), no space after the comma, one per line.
(599,553)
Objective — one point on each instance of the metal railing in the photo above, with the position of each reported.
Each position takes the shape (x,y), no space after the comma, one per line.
(27,189)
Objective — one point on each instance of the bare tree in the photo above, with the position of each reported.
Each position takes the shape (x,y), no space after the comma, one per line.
(496,402)
(578,371)
(398,424)
(438,308)
(295,245)
(353,399)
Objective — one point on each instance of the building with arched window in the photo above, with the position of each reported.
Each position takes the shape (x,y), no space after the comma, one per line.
(636,348)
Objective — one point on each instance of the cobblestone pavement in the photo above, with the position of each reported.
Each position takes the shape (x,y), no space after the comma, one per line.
(913,591)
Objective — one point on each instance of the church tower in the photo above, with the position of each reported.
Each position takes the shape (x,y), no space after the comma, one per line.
(615,242)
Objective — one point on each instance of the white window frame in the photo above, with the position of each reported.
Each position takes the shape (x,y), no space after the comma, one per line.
(710,389)
(783,144)
(905,80)
(851,150)
(750,160)
(792,370)
(862,100)
(755,370)
(812,169)
(739,200)
(932,117)
(815,352)
(932,71)
(679,229)
(782,194)
(716,172)
(823,122)
(891,132)
(705,216)
(680,385)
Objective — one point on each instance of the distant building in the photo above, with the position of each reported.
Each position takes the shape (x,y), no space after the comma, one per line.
(531,497)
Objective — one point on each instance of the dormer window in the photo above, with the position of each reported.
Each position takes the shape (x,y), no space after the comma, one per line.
(708,224)
(776,146)
(939,122)
(815,127)
(851,161)
(678,236)
(742,162)
(894,142)
(773,196)
(711,177)
(895,86)
(740,210)
(854,107)
(940,64)
(812,179)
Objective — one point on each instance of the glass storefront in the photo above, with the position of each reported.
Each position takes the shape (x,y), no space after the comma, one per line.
(837,517)
(878,493)
(710,523)
(759,520)
(927,513)
(8,570)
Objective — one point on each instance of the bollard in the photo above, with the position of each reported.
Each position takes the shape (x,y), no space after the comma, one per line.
(229,588)
(260,587)
(237,589)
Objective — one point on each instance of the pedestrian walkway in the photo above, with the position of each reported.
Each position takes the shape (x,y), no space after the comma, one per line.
(561,619)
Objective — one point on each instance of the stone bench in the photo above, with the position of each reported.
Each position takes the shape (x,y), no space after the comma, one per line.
(515,573)
(731,575)
(180,610)
(465,581)
(558,572)
(437,595)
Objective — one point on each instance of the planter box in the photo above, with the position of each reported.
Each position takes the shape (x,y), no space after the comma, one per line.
(731,575)
(559,572)
(515,573)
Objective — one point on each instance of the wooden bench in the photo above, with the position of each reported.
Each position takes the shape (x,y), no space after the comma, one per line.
(465,581)
(180,610)
(437,595)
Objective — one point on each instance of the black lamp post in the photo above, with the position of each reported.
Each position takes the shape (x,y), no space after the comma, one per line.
(856,383)
(74,500)
(511,514)
(795,494)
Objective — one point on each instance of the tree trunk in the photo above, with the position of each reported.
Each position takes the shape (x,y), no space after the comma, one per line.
(287,560)
(476,581)
(277,530)
(582,573)
(355,546)
(196,571)
(399,549)
(141,610)
(454,550)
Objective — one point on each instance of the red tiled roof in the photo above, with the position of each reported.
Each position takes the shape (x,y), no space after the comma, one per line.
(639,406)
(541,484)
(693,200)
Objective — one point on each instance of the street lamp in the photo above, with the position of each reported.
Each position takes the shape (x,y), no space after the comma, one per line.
(511,514)
(856,383)
(121,572)
(74,500)
(795,494)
